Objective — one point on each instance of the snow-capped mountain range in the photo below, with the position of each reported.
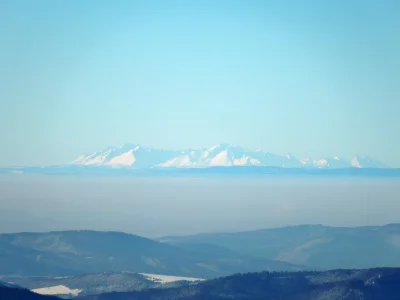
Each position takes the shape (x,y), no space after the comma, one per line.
(136,156)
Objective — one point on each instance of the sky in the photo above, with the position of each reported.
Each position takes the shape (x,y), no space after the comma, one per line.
(314,78)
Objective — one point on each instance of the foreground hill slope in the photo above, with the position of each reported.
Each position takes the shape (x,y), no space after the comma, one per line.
(12,293)
(74,252)
(372,284)
(316,246)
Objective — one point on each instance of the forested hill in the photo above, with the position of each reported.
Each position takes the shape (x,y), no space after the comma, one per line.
(371,284)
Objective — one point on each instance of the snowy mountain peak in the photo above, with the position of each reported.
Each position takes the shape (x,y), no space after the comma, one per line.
(223,146)
(135,156)
(215,147)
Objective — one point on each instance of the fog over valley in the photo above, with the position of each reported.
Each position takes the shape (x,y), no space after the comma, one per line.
(155,207)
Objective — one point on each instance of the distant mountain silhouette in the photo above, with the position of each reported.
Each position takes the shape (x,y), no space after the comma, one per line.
(226,155)
(315,246)
(74,252)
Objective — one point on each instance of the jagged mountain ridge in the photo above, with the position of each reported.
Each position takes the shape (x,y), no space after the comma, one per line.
(136,156)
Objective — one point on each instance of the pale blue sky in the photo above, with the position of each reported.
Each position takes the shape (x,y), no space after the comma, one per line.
(314,78)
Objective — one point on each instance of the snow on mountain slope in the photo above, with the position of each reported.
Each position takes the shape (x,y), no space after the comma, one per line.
(230,155)
(127,155)
(365,162)
(268,159)
(188,159)
(168,278)
(135,156)
(329,162)
(224,155)
(57,290)
(96,158)
(125,159)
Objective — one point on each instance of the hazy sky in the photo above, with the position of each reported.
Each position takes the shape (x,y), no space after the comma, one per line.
(314,78)
(159,206)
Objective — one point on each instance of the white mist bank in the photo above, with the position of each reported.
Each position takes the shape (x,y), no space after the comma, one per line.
(175,206)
